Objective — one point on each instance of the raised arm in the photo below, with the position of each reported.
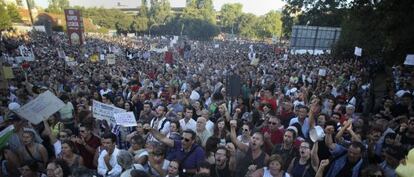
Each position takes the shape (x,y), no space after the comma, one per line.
(314,156)
(162,138)
(322,167)
(329,130)
(341,132)
(232,161)
(233,136)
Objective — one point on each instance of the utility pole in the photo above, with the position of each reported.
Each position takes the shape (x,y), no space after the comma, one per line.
(29,6)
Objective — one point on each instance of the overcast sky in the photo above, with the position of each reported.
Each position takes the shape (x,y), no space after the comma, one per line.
(257,7)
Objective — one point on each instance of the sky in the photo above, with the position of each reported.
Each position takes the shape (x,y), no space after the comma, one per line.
(257,7)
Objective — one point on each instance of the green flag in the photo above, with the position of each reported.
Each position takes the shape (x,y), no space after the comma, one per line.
(5,135)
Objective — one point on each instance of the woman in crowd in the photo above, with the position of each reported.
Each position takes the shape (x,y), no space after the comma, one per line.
(173,169)
(32,151)
(274,168)
(69,154)
(57,168)
(157,165)
(220,131)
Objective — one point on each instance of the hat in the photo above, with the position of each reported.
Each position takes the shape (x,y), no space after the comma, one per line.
(14,106)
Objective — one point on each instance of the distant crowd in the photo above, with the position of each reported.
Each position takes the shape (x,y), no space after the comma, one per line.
(203,108)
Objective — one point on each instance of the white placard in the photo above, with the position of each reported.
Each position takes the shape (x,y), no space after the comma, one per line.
(110,59)
(322,72)
(409,60)
(102,57)
(42,107)
(125,119)
(104,111)
(358,51)
(216,46)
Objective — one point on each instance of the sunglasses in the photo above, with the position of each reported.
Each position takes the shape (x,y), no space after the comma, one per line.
(246,130)
(186,139)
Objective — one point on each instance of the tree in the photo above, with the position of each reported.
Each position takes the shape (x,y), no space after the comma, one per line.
(271,24)
(230,13)
(5,21)
(159,12)
(57,6)
(247,25)
(143,9)
(139,24)
(14,13)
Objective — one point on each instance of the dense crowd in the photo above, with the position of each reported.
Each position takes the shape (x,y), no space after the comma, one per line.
(304,116)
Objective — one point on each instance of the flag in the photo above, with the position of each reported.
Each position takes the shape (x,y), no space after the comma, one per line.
(5,135)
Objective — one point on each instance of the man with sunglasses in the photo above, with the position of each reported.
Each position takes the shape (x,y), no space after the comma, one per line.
(273,133)
(189,154)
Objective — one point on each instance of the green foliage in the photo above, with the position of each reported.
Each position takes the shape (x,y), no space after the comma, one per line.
(247,25)
(57,6)
(14,13)
(159,12)
(5,21)
(229,14)
(271,24)
(381,28)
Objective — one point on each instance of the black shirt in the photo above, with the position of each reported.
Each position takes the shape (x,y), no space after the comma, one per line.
(346,171)
(225,172)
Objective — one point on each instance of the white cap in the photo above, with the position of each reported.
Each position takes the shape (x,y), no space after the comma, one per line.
(194,95)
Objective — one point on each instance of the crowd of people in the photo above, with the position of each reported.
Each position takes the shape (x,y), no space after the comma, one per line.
(304,116)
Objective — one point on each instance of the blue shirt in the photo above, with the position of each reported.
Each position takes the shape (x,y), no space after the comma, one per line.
(340,162)
(193,160)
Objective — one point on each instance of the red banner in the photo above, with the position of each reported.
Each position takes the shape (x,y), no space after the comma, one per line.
(74,26)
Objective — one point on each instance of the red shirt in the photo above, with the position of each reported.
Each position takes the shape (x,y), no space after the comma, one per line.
(276,137)
(93,142)
(168,57)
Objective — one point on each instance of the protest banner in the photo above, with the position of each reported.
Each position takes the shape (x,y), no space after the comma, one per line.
(42,107)
(5,135)
(125,119)
(74,26)
(104,111)
(358,51)
(409,60)
(110,59)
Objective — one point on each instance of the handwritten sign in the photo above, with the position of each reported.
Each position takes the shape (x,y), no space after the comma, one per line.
(104,111)
(125,119)
(42,107)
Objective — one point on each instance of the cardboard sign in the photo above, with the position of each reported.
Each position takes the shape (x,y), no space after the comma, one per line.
(104,111)
(42,107)
(125,119)
(358,51)
(110,59)
(409,60)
